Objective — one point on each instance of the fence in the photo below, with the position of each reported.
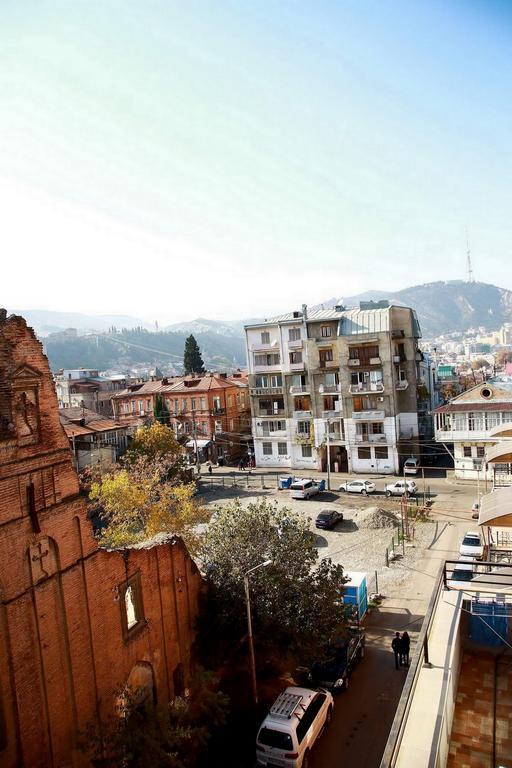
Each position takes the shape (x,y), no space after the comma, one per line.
(210,482)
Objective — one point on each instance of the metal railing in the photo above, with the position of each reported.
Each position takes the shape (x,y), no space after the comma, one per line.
(366,387)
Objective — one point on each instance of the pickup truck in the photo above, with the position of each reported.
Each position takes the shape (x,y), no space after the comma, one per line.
(334,672)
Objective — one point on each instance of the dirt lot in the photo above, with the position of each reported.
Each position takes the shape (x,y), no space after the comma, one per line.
(351,543)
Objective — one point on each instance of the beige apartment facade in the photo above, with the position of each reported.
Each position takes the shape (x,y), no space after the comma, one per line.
(338,383)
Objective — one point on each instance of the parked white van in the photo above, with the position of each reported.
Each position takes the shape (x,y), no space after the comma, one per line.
(302,488)
(295,721)
(411,466)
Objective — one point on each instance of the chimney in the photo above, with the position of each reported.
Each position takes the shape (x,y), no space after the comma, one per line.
(305,311)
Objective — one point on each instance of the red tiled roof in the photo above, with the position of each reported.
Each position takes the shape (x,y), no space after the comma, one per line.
(478,406)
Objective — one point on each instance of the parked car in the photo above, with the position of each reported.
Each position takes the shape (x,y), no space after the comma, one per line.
(475,510)
(463,572)
(411,466)
(472,545)
(289,731)
(398,488)
(302,488)
(328,518)
(358,486)
(334,673)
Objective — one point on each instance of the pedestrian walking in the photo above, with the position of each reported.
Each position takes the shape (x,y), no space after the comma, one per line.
(406,644)
(210,468)
(396,645)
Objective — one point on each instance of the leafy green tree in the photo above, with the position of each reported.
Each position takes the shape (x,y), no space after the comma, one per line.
(297,602)
(192,359)
(173,735)
(160,410)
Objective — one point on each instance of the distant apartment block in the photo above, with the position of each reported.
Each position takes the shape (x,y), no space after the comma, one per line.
(85,388)
(337,381)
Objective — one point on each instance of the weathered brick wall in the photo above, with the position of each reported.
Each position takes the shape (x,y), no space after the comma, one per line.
(63,654)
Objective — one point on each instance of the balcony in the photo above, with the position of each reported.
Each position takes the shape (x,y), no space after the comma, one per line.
(218,411)
(375,361)
(353,361)
(448,435)
(324,341)
(258,346)
(402,384)
(299,389)
(397,358)
(296,344)
(367,438)
(271,412)
(268,368)
(323,364)
(366,387)
(332,414)
(368,415)
(329,388)
(297,366)
(302,415)
(255,391)
(267,433)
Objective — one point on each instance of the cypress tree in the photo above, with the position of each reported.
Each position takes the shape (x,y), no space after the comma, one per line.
(192,360)
(160,411)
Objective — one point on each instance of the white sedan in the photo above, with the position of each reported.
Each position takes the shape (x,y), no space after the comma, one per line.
(472,545)
(358,486)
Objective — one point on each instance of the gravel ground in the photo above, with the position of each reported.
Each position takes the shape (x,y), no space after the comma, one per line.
(356,547)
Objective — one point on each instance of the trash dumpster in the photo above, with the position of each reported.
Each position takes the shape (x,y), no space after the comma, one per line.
(355,592)
(285,482)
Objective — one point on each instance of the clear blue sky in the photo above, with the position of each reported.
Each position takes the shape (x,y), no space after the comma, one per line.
(235,158)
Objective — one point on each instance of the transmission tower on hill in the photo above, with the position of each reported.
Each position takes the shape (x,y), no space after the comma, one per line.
(469,268)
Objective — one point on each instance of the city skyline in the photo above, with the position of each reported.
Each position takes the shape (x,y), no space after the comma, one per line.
(267,152)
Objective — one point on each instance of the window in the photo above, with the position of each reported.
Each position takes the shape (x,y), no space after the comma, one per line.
(304,428)
(216,403)
(184,404)
(364,453)
(176,406)
(293,334)
(230,401)
(364,354)
(467,451)
(192,403)
(331,379)
(232,425)
(480,452)
(261,381)
(282,449)
(265,337)
(141,406)
(130,600)
(202,403)
(325,331)
(377,428)
(276,381)
(307,451)
(218,427)
(381,452)
(126,407)
(272,359)
(187,427)
(267,449)
(325,356)
(148,405)
(295,358)
(203,427)
(134,406)
(308,717)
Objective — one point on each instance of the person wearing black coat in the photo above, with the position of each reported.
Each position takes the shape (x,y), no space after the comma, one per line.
(396,645)
(405,641)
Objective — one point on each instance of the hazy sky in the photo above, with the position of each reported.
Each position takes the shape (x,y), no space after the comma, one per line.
(236,158)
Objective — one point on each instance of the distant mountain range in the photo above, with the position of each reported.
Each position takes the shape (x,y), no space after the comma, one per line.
(442,307)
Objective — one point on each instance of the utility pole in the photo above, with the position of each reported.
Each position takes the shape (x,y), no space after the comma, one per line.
(469,268)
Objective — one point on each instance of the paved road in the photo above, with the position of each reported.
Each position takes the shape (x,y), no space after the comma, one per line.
(363,714)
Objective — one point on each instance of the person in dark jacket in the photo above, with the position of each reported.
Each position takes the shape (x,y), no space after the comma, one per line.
(406,644)
(396,645)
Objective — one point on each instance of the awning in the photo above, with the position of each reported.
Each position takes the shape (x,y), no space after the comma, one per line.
(500,453)
(200,443)
(501,430)
(496,508)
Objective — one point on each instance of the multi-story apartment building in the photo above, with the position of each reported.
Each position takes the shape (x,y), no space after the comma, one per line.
(85,388)
(469,422)
(211,411)
(337,381)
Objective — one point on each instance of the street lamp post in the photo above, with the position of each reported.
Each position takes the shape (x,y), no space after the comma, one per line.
(249,626)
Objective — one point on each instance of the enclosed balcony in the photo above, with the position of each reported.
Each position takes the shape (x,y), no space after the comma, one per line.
(366,387)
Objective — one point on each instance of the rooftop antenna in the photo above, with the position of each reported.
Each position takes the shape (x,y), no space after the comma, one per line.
(469,268)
